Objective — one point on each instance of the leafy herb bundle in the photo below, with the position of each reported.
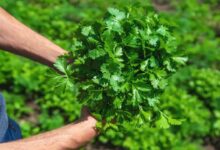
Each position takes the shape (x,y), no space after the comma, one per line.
(120,67)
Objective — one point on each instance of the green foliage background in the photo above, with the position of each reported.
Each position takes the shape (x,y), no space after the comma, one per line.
(193,92)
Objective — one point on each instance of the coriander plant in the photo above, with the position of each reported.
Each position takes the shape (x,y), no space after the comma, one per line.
(120,65)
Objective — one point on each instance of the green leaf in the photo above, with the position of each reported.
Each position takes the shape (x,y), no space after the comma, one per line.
(153,62)
(162,122)
(99,125)
(119,15)
(105,71)
(152,101)
(97,95)
(115,81)
(163,83)
(153,41)
(118,52)
(136,98)
(168,65)
(95,80)
(114,25)
(142,86)
(61,65)
(144,65)
(180,60)
(86,30)
(118,103)
(162,30)
(154,81)
(96,53)
(174,121)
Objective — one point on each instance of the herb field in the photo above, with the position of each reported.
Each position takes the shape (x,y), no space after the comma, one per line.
(150,69)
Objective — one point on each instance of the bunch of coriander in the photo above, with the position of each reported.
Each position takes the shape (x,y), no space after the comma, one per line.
(120,67)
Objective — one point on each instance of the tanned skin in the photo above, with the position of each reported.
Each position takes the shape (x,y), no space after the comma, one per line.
(19,39)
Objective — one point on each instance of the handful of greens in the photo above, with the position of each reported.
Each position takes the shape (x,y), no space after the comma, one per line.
(120,66)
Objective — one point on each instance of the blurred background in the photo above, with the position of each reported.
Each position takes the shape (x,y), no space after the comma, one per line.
(193,93)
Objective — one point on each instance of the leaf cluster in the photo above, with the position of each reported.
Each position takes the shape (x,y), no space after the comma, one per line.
(120,66)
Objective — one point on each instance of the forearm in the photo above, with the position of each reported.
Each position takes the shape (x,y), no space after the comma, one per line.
(19,39)
(69,137)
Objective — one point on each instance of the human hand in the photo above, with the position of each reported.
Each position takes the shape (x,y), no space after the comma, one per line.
(84,129)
